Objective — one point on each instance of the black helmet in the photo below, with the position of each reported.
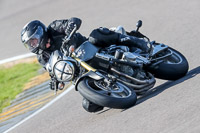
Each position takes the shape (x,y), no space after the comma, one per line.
(34,36)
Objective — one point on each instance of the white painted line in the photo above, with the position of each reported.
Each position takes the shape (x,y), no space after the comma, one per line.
(40,110)
(16,58)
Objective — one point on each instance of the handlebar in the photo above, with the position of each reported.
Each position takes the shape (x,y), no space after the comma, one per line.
(67,39)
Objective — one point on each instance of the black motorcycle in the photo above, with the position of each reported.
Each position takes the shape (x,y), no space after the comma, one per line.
(114,76)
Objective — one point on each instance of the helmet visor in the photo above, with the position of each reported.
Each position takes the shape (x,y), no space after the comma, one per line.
(33,41)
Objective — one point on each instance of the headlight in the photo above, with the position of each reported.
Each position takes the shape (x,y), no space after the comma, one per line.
(64,71)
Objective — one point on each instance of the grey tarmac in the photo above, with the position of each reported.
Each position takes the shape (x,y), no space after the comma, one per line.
(172,106)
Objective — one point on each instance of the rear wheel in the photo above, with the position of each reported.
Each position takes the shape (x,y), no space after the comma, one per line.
(116,95)
(172,68)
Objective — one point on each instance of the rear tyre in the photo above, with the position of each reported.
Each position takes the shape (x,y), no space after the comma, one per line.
(173,67)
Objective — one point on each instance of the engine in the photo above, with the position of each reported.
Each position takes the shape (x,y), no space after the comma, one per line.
(126,69)
(120,59)
(136,63)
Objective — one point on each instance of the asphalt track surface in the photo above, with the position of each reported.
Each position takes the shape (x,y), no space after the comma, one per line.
(172,107)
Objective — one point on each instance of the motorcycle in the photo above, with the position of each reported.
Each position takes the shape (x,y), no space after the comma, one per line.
(114,76)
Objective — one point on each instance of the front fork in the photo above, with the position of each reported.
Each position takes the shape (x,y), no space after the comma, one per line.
(107,80)
(84,64)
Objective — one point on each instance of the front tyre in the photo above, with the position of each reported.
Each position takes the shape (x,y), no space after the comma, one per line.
(118,96)
(172,68)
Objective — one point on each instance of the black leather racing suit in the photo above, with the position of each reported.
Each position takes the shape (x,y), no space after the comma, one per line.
(57,30)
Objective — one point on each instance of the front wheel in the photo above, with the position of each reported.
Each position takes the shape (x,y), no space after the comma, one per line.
(172,68)
(116,96)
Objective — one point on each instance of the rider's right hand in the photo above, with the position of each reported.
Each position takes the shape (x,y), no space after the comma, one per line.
(72,23)
(69,29)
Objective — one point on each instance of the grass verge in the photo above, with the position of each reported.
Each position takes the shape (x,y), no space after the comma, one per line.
(13,79)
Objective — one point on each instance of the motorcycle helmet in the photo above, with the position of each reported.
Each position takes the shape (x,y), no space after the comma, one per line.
(34,36)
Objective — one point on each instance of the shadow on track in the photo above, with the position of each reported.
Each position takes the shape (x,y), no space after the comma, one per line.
(103,111)
(159,89)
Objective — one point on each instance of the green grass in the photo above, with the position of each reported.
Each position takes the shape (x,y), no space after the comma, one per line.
(13,79)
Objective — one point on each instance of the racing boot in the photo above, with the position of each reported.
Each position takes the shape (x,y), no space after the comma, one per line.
(132,41)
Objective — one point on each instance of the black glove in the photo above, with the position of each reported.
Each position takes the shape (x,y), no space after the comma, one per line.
(70,27)
(71,24)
